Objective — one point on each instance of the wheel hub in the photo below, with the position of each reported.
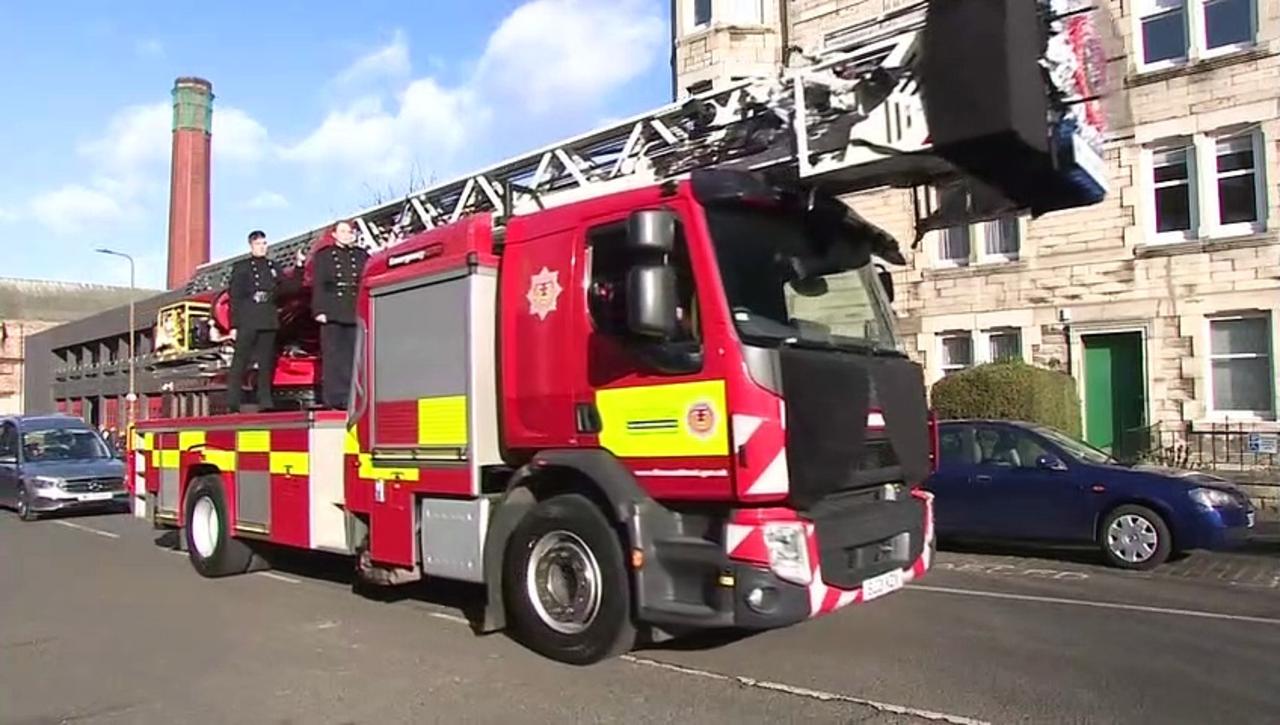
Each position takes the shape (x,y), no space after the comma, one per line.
(1132,538)
(205,527)
(563,582)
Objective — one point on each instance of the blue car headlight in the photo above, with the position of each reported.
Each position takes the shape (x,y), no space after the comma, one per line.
(1212,498)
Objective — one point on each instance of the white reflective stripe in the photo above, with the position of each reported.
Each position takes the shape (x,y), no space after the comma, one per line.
(734,535)
(745,426)
(775,478)
(683,473)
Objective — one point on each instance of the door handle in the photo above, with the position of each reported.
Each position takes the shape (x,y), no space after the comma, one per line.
(982,478)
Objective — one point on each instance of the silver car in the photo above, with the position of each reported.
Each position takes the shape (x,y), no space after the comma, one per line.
(57,463)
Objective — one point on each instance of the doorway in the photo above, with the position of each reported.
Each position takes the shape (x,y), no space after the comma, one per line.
(1114,387)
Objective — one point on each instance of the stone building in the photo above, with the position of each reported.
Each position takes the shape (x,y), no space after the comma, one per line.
(28,307)
(1164,301)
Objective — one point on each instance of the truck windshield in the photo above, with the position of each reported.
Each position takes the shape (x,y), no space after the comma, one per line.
(786,284)
(63,444)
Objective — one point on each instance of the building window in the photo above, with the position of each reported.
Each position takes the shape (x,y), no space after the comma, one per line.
(1172,182)
(1240,360)
(1172,32)
(1004,345)
(985,242)
(701,12)
(1212,186)
(1238,188)
(957,352)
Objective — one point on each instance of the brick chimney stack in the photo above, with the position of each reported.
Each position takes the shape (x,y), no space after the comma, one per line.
(189,179)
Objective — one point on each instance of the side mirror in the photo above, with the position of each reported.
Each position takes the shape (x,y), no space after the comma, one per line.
(1050,463)
(886,281)
(651,230)
(651,302)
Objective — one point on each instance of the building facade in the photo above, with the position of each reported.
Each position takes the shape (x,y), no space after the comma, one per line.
(30,307)
(1163,302)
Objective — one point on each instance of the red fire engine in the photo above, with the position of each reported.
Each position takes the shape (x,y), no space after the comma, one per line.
(647,381)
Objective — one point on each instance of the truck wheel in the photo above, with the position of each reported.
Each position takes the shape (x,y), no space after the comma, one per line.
(24,506)
(213,551)
(1135,537)
(566,583)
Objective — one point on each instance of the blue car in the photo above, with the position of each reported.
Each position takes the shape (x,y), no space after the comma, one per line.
(1001,480)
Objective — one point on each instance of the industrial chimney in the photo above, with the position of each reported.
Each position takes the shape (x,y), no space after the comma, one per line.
(189,179)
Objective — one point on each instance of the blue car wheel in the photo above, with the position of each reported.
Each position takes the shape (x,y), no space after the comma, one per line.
(1135,537)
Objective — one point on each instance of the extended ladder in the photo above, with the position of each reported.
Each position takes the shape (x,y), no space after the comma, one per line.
(852,120)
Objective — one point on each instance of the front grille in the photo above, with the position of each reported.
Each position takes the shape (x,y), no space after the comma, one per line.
(93,485)
(859,538)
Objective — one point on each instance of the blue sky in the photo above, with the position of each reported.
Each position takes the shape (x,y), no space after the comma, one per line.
(320,107)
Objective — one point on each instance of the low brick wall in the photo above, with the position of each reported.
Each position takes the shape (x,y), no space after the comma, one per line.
(1263,488)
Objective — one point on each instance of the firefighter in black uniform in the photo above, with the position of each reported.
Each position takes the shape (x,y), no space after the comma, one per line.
(255,284)
(337,269)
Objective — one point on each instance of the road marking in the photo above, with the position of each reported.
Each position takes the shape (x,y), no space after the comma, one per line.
(449,618)
(90,529)
(1097,605)
(972,567)
(279,577)
(805,692)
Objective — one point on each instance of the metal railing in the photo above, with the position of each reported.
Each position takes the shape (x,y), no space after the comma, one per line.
(1218,446)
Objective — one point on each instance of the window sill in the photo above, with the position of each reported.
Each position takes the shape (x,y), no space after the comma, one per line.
(1203,245)
(980,269)
(1139,77)
(704,31)
(1244,425)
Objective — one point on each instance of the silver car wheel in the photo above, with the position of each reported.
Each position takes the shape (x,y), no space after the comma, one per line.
(1132,538)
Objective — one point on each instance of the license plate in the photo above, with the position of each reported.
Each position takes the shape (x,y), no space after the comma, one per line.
(96,496)
(878,586)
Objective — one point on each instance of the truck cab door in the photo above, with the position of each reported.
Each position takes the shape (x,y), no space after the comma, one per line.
(658,405)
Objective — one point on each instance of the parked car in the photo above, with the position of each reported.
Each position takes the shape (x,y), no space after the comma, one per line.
(1002,480)
(57,463)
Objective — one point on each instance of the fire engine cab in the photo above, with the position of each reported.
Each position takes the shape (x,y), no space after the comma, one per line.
(647,381)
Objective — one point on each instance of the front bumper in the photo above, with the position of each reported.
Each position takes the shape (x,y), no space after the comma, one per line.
(786,603)
(54,500)
(1224,528)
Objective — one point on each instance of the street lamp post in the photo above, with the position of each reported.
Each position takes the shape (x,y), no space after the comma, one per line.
(131,415)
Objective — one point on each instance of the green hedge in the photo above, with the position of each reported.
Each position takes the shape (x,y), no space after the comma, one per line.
(1012,391)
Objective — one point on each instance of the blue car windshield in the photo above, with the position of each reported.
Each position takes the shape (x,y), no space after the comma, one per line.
(1078,449)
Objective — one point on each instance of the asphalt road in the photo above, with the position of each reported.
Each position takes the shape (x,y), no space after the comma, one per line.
(100,624)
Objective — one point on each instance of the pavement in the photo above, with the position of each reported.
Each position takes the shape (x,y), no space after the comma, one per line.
(100,622)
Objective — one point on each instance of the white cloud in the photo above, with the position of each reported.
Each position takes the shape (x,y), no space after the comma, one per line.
(136,136)
(389,61)
(370,141)
(551,52)
(237,136)
(267,200)
(74,209)
(149,48)
(7,216)
(545,53)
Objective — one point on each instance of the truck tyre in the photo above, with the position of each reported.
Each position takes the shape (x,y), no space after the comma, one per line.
(1135,537)
(212,549)
(566,583)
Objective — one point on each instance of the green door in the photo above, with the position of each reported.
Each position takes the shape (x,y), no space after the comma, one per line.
(1113,387)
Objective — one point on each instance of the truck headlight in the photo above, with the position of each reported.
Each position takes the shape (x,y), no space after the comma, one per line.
(788,552)
(45,482)
(1212,497)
